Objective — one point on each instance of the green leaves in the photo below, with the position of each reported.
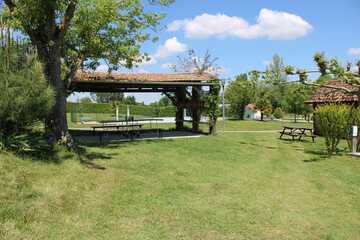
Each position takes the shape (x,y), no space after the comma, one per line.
(25,99)
(295,99)
(239,93)
(112,30)
(333,120)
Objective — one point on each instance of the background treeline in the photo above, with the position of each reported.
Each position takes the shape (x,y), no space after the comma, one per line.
(135,110)
(270,91)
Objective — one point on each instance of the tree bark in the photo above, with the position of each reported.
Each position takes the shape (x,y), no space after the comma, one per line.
(56,123)
(196,114)
(180,101)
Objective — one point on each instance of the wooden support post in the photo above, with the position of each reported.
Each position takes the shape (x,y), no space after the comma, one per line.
(316,124)
(196,113)
(180,102)
(213,105)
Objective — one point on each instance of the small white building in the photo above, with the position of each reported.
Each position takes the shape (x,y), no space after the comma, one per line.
(251,113)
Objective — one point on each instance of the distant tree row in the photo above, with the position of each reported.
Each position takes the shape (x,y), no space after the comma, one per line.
(274,93)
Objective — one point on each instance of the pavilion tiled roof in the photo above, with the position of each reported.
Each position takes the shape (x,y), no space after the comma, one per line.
(142,77)
(326,94)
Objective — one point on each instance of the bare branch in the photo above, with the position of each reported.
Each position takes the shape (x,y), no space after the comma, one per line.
(329,86)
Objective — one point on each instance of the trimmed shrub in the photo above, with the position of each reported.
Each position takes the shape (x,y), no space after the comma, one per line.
(278,113)
(334,121)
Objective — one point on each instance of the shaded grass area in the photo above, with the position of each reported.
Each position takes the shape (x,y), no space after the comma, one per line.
(232,186)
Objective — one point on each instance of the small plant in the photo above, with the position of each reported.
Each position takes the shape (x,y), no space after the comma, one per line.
(278,113)
(333,120)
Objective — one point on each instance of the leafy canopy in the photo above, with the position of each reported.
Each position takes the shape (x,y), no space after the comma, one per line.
(88,30)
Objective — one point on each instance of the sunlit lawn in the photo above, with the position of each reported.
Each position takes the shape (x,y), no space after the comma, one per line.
(232,186)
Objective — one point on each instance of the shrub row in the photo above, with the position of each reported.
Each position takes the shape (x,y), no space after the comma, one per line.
(141,110)
(335,121)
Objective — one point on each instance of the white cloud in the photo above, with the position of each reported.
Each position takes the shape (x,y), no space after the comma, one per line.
(171,47)
(274,25)
(354,51)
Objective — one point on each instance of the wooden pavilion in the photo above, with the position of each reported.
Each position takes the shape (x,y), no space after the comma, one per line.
(334,91)
(183,89)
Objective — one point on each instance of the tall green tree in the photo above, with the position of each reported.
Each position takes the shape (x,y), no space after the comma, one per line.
(79,33)
(263,103)
(275,79)
(295,99)
(240,93)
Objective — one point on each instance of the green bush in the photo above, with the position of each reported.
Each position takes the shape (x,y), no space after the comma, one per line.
(278,113)
(334,121)
(354,121)
(25,99)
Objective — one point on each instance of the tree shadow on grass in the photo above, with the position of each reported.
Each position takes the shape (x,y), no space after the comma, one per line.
(257,145)
(33,146)
(322,154)
(88,158)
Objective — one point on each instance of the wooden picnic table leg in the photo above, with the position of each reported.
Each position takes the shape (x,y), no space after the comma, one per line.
(282,133)
(301,134)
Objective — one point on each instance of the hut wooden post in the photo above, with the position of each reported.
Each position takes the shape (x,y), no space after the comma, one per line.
(181,101)
(196,113)
(315,121)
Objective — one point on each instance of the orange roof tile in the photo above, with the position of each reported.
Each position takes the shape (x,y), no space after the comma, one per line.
(142,77)
(330,95)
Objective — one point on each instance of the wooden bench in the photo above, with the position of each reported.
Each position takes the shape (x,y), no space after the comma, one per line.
(297,133)
(307,132)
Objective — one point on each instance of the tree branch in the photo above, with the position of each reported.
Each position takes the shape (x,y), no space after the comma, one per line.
(171,97)
(68,16)
(11,5)
(331,87)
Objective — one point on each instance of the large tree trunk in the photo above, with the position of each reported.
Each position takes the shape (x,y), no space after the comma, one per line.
(56,123)
(196,113)
(180,98)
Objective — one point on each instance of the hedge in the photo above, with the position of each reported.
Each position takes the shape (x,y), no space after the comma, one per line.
(141,110)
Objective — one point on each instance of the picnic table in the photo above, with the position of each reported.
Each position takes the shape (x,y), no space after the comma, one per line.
(130,127)
(298,133)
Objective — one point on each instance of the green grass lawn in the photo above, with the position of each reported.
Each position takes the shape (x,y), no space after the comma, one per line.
(232,186)
(230,125)
(235,125)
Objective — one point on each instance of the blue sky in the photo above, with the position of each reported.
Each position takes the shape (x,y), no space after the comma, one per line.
(245,34)
(305,27)
(334,30)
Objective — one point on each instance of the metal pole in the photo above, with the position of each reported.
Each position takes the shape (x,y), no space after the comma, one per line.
(223,103)
(354,139)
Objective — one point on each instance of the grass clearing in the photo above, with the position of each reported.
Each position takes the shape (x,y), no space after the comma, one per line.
(232,186)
